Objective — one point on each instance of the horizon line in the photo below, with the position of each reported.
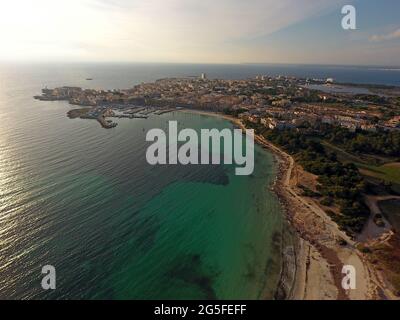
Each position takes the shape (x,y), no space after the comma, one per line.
(382,66)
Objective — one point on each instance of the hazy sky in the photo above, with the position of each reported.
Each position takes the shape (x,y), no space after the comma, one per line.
(200,31)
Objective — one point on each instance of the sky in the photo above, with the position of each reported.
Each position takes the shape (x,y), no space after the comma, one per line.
(200,31)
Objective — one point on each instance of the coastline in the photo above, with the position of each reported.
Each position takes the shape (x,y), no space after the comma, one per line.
(294,255)
(312,265)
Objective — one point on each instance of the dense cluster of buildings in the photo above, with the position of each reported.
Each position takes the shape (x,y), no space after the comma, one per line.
(296,115)
(276,102)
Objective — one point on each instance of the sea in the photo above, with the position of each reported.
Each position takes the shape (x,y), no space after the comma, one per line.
(84,199)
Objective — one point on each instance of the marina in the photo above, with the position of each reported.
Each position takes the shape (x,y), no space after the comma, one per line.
(104,114)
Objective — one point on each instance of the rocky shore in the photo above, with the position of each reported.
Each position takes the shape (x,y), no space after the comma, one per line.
(316,250)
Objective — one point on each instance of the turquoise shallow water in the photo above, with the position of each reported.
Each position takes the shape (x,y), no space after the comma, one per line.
(84,199)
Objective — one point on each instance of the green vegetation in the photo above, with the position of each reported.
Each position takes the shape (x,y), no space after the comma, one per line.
(313,97)
(390,173)
(397,101)
(371,98)
(381,173)
(340,184)
(309,193)
(383,143)
(327,202)
(348,165)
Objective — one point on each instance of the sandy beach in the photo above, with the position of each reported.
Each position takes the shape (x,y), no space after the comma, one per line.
(319,251)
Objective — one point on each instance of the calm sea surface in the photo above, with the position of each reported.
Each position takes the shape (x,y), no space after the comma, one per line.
(83,199)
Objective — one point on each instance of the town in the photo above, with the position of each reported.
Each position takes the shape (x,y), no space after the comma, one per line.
(276,102)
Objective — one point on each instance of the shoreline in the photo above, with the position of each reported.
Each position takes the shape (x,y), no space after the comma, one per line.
(317,257)
(294,254)
(298,256)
